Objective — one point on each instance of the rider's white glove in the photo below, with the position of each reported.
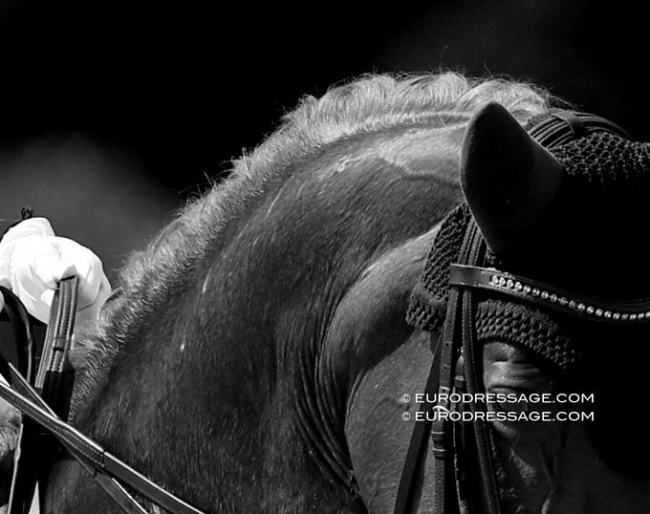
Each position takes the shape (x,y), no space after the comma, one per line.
(33,260)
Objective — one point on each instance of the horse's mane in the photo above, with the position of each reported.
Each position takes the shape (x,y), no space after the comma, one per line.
(369,104)
(174,260)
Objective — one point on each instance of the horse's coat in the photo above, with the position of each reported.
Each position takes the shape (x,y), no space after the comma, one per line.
(256,355)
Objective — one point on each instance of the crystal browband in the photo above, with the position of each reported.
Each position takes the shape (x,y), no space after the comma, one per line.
(532,291)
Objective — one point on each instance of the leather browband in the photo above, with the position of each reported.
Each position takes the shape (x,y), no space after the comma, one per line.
(545,295)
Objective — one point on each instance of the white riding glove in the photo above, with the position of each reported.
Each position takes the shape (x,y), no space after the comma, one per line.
(33,260)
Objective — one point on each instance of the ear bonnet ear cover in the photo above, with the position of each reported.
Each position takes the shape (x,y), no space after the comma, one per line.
(593,247)
(495,319)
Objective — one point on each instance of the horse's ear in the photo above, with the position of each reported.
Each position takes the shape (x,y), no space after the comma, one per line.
(508,178)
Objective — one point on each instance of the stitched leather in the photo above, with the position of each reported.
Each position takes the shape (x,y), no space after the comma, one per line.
(90,454)
(563,126)
(414,460)
(551,297)
(43,407)
(35,449)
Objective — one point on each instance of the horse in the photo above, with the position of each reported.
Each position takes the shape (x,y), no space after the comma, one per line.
(268,350)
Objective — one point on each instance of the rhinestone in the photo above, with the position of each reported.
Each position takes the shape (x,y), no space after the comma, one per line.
(599,312)
(590,310)
(527,289)
(641,315)
(624,317)
(502,281)
(581,306)
(616,315)
(632,317)
(544,295)
(553,298)
(647,314)
(518,286)
(563,301)
(494,280)
(572,304)
(608,314)
(510,284)
(535,291)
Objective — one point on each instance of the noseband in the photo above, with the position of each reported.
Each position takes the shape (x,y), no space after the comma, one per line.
(463,451)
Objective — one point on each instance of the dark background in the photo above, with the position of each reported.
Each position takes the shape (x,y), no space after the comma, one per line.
(113,114)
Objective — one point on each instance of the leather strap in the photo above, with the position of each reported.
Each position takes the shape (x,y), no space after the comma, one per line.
(58,342)
(441,432)
(415,454)
(473,377)
(535,292)
(34,453)
(111,486)
(43,408)
(91,455)
(442,379)
(475,253)
(563,126)
(440,428)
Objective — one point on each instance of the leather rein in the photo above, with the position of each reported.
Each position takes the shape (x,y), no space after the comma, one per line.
(44,401)
(463,451)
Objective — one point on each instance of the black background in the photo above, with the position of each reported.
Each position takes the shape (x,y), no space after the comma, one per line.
(113,114)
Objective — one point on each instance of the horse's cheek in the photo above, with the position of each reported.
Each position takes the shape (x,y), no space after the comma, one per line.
(527,462)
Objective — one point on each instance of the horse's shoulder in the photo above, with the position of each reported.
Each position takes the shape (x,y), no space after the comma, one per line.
(369,321)
(377,357)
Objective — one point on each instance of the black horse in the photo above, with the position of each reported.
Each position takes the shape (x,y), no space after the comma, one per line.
(257,355)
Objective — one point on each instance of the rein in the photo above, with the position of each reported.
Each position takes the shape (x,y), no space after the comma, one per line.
(29,467)
(463,451)
(44,400)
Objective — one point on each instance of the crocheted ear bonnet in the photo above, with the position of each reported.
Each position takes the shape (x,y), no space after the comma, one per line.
(588,239)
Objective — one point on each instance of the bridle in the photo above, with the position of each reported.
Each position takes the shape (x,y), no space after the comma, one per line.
(463,451)
(44,398)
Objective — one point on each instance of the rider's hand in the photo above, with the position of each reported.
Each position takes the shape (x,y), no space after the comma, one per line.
(33,260)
